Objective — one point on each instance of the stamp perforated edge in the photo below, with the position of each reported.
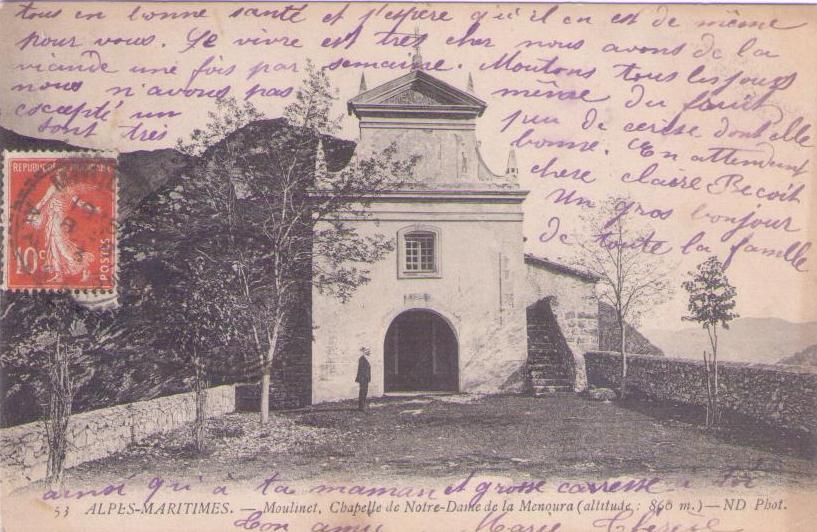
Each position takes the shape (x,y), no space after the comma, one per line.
(96,295)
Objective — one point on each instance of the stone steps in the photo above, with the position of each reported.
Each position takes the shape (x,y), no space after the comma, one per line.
(547,377)
(547,371)
(545,365)
(544,381)
(544,391)
(543,357)
(550,360)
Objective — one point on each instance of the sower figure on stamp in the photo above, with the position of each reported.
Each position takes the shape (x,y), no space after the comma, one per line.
(364,375)
(62,255)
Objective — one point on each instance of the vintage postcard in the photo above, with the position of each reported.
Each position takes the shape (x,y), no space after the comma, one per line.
(363,266)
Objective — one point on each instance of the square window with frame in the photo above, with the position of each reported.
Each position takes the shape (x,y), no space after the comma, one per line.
(419,246)
(418,252)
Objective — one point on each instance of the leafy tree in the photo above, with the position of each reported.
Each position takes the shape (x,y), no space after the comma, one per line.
(55,344)
(196,304)
(711,303)
(185,317)
(267,196)
(622,252)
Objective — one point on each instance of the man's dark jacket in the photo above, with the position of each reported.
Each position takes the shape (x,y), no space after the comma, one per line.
(364,371)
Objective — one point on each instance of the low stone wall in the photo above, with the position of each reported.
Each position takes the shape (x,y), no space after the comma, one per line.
(100,433)
(783,396)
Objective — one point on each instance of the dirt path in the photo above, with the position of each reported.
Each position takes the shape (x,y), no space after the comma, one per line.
(440,437)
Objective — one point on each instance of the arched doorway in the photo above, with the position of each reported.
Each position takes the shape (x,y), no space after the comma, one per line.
(420,352)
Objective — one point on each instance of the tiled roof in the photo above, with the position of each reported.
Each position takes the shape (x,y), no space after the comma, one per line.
(561,268)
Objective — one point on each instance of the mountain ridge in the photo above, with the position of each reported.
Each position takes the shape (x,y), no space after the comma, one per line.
(751,339)
(141,171)
(806,357)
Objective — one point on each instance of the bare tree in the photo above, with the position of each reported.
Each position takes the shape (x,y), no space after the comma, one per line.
(711,303)
(621,250)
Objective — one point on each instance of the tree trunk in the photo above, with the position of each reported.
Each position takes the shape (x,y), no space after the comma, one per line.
(708,376)
(622,350)
(265,381)
(713,416)
(60,401)
(716,410)
(266,368)
(199,426)
(200,389)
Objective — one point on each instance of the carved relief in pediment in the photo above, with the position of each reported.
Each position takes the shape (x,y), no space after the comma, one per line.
(415,96)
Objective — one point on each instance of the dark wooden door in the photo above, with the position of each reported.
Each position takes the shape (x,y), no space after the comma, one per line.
(420,354)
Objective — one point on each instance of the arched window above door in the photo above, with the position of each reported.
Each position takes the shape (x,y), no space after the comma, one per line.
(418,252)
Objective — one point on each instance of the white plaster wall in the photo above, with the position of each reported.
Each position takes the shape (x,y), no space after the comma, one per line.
(492,343)
(441,150)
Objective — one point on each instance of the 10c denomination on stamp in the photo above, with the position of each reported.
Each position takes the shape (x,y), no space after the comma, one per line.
(59,221)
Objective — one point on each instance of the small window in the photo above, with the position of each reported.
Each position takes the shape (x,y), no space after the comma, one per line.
(420,251)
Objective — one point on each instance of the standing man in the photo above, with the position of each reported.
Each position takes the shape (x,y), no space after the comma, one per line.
(364,375)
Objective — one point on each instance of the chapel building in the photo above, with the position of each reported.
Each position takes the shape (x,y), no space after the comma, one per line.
(458,306)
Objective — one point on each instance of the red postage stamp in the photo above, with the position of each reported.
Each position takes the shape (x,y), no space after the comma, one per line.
(59,221)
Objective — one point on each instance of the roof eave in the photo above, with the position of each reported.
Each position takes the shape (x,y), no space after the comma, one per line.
(385,90)
(561,268)
(369,109)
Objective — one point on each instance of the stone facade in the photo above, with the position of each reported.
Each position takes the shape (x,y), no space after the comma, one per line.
(100,433)
(433,121)
(777,395)
(571,297)
(477,283)
(490,329)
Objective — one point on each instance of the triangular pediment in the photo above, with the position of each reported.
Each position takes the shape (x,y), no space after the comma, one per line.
(419,95)
(416,89)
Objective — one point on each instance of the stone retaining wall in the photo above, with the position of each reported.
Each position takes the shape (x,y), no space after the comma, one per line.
(783,396)
(573,302)
(100,433)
